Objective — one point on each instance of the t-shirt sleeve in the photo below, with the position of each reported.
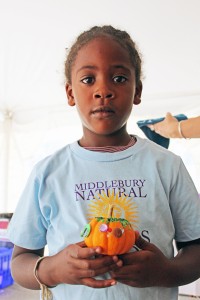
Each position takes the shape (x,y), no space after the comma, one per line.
(185,207)
(28,226)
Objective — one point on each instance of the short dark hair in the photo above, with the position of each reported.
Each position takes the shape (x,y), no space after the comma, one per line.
(122,37)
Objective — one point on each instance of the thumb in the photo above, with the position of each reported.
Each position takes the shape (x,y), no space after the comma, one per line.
(81,244)
(169,116)
(143,244)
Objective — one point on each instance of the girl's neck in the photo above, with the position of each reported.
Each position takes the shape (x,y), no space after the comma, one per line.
(107,140)
(112,149)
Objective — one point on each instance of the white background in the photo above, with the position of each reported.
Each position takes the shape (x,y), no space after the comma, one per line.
(34,117)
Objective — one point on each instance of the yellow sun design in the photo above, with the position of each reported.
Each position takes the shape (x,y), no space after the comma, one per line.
(124,207)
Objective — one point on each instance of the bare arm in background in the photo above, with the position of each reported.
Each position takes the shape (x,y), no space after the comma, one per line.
(169,127)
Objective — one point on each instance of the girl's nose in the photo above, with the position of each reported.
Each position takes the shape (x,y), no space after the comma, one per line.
(104,94)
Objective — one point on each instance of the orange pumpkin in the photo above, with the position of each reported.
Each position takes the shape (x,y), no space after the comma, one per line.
(114,235)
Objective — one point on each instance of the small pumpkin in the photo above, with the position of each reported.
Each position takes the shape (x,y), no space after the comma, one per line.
(114,235)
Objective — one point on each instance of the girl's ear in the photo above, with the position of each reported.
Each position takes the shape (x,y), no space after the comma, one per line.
(70,95)
(138,94)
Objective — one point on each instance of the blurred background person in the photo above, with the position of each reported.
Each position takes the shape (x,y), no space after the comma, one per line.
(170,127)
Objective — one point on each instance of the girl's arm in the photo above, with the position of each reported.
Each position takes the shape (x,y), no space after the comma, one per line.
(75,264)
(150,267)
(22,266)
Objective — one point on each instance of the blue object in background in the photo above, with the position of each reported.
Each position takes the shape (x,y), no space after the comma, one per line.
(152,135)
(5,272)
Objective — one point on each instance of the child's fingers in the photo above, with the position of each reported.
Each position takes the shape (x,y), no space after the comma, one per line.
(82,244)
(96,266)
(85,264)
(80,252)
(94,283)
(103,262)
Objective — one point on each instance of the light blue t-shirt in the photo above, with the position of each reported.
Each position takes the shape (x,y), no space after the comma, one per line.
(147,184)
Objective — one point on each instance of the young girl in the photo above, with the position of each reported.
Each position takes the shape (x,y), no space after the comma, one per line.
(148,185)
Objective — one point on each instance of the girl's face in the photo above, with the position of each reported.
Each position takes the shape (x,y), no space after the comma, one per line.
(103,89)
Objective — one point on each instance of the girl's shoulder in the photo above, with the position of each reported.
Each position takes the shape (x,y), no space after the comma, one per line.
(53,160)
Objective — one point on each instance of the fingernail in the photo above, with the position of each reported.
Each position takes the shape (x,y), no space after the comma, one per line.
(119,263)
(115,258)
(113,283)
(98,250)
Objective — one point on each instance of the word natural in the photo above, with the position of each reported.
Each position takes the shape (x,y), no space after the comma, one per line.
(128,188)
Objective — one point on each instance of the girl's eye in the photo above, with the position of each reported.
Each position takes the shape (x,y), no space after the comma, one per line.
(87,80)
(119,79)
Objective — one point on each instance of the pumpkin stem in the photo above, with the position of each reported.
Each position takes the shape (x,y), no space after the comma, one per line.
(110,210)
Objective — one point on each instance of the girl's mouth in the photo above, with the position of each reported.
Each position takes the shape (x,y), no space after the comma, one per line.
(103,111)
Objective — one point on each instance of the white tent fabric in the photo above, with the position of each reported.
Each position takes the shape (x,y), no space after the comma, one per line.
(34,117)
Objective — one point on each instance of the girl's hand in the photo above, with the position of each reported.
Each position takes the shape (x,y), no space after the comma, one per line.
(77,264)
(144,268)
